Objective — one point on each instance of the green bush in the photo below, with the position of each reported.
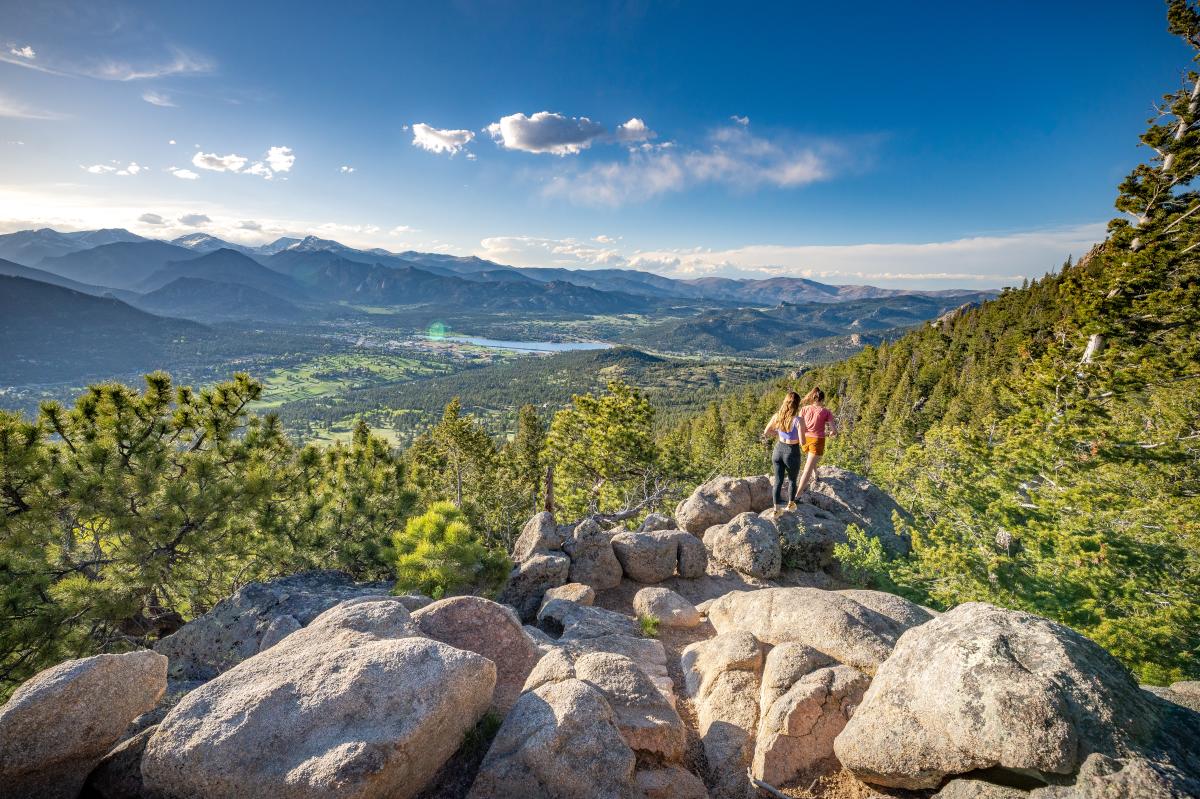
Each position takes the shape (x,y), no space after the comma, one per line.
(437,553)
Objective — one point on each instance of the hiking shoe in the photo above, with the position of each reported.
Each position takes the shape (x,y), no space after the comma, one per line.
(792,505)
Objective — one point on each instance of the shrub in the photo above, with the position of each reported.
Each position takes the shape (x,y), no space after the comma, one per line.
(649,625)
(438,553)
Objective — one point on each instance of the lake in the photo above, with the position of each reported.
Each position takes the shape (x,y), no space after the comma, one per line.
(530,346)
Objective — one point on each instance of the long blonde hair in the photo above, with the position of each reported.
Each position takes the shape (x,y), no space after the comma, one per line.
(789,409)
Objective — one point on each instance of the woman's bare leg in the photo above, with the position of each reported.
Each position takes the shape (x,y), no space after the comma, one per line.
(810,467)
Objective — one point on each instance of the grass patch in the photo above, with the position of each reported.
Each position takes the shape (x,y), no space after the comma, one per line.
(649,625)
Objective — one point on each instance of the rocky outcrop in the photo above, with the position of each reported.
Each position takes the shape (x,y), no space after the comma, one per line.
(237,627)
(657,521)
(119,774)
(530,579)
(578,593)
(356,704)
(481,626)
(797,730)
(560,741)
(592,560)
(645,717)
(541,534)
(807,536)
(721,499)
(853,499)
(837,624)
(747,543)
(671,782)
(57,726)
(668,607)
(723,680)
(981,687)
(655,555)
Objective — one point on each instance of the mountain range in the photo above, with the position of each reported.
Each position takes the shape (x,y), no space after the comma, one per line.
(319,271)
(92,301)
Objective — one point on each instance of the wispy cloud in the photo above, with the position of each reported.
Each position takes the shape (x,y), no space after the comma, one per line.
(438,140)
(151,219)
(345,170)
(182,174)
(179,62)
(732,156)
(159,99)
(13,109)
(195,220)
(23,52)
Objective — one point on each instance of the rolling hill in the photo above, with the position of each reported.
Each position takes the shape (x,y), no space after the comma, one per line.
(17,270)
(786,328)
(213,301)
(228,266)
(51,333)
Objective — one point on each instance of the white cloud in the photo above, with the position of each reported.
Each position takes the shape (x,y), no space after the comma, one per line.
(401,230)
(260,169)
(534,251)
(732,157)
(16,110)
(182,174)
(159,99)
(249,224)
(634,130)
(545,132)
(436,140)
(105,169)
(345,170)
(988,260)
(743,121)
(23,52)
(280,159)
(172,141)
(151,219)
(195,220)
(219,163)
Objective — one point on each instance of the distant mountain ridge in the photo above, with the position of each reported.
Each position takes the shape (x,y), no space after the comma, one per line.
(28,247)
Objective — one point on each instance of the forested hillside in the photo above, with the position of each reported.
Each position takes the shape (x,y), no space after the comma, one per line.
(1046,444)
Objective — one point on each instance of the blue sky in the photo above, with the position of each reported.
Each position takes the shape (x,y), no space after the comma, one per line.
(924,144)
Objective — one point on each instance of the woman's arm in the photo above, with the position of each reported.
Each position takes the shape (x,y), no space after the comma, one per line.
(832,425)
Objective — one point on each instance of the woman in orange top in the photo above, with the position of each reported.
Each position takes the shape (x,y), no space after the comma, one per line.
(816,422)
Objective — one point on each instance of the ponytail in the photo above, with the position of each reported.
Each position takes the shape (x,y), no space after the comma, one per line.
(816,395)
